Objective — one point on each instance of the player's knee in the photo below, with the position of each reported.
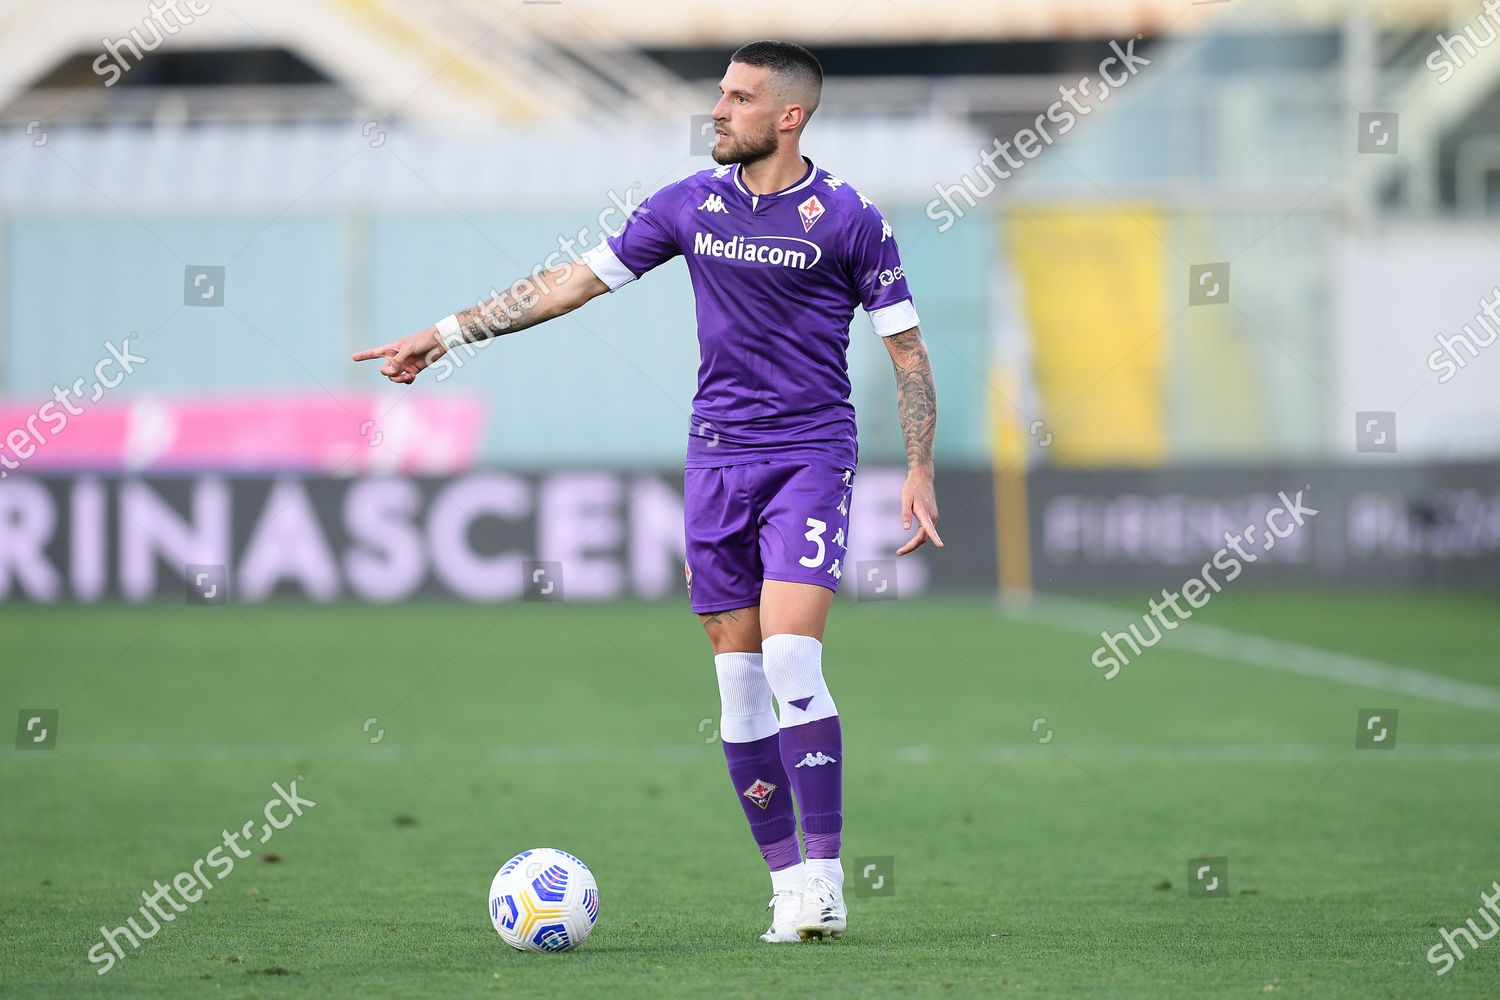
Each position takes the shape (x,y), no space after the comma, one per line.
(723,642)
(794,669)
(785,649)
(742,683)
(732,631)
(794,609)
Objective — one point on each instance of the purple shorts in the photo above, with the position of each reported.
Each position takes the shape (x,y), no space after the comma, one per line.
(763,521)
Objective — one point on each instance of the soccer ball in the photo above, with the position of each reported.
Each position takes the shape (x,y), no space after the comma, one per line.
(544,900)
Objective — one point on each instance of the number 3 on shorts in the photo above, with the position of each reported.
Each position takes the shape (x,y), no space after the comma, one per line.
(815,529)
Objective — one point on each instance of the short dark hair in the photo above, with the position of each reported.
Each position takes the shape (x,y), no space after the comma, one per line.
(788,61)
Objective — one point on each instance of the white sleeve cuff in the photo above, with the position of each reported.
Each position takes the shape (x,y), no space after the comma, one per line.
(450,332)
(898,318)
(607,267)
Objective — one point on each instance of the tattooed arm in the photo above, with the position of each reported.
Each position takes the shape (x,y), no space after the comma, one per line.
(916,402)
(531,300)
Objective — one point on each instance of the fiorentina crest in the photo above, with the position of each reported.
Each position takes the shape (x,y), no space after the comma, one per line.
(688,572)
(759,792)
(811,211)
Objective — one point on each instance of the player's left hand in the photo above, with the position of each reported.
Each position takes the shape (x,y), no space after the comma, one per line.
(919,501)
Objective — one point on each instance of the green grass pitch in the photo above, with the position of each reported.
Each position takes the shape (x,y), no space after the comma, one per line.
(1024,865)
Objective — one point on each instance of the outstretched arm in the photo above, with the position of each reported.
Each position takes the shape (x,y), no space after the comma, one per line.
(524,304)
(916,402)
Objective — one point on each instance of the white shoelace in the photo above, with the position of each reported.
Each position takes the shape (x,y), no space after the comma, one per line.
(825,890)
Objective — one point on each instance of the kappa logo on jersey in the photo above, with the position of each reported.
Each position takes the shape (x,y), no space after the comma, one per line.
(724,170)
(817,760)
(811,211)
(885,231)
(713,203)
(759,792)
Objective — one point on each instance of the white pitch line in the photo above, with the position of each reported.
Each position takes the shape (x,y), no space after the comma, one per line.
(1259,651)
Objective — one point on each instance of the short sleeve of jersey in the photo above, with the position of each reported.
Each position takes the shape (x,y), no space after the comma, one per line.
(874,264)
(648,240)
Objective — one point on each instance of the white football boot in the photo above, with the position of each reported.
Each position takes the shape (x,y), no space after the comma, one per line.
(823,913)
(785,906)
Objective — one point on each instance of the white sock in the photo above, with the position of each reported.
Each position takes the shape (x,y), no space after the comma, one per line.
(829,868)
(788,879)
(745,697)
(794,669)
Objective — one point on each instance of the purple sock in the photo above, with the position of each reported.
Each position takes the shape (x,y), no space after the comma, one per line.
(813,754)
(761,784)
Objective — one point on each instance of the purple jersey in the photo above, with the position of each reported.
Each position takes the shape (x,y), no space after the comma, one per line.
(776,278)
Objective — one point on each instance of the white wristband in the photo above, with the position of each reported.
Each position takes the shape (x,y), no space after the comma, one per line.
(450,334)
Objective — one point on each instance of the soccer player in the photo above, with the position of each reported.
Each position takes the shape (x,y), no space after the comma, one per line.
(780,252)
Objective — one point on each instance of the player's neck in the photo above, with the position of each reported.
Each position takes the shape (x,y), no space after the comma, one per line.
(776,172)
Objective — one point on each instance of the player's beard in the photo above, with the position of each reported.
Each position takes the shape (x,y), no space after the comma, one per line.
(745,148)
